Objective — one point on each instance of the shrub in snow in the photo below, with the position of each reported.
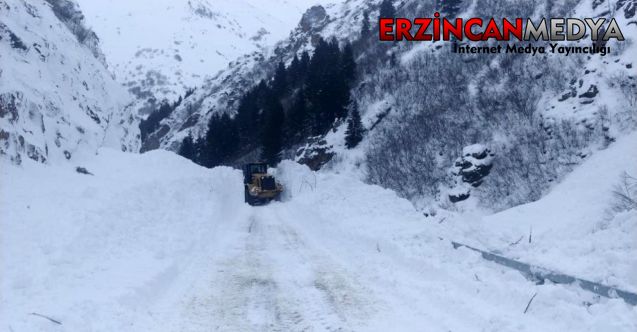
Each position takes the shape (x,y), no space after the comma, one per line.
(625,194)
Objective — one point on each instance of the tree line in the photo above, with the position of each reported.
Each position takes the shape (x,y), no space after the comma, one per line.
(300,100)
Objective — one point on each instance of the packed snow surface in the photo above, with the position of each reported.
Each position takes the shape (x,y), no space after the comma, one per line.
(153,242)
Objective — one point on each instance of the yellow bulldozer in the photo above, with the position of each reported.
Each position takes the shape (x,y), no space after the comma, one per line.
(260,187)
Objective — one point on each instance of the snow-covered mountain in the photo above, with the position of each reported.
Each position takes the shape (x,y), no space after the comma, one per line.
(444,104)
(57,98)
(160,48)
(221,92)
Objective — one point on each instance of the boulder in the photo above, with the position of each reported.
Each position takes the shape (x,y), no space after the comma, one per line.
(474,165)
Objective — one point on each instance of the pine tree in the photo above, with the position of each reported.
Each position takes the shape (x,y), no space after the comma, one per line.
(304,64)
(348,65)
(355,129)
(200,146)
(272,140)
(387,9)
(221,142)
(293,70)
(365,29)
(328,83)
(279,84)
(151,123)
(450,8)
(247,116)
(187,149)
(297,124)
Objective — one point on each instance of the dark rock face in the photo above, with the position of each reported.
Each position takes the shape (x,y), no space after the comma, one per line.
(567,95)
(192,120)
(312,18)
(629,9)
(470,169)
(474,165)
(152,141)
(8,107)
(455,198)
(315,155)
(70,14)
(83,170)
(591,92)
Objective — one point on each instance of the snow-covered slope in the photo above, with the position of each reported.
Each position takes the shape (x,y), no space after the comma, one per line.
(221,92)
(159,48)
(574,228)
(57,98)
(153,242)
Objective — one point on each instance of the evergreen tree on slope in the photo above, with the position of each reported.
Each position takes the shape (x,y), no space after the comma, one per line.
(355,129)
(387,9)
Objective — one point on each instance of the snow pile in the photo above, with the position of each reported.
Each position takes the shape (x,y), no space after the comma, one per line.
(153,242)
(57,99)
(109,251)
(415,277)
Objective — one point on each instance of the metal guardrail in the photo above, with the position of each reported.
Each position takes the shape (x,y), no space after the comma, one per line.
(538,274)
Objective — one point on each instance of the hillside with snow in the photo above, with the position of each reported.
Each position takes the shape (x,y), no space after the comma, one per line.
(57,98)
(422,106)
(159,49)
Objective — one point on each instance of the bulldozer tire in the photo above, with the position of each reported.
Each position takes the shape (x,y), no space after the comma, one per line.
(248,198)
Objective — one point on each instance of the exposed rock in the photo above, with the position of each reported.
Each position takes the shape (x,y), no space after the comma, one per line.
(315,154)
(70,102)
(83,170)
(313,18)
(591,92)
(475,164)
(458,197)
(629,9)
(470,170)
(566,96)
(152,141)
(8,107)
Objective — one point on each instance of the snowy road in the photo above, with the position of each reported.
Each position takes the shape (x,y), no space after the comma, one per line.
(273,279)
(155,243)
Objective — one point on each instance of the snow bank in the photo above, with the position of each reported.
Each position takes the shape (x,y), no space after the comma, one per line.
(572,229)
(154,242)
(112,251)
(415,277)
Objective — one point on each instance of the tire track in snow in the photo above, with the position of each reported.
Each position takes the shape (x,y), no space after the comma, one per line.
(272,281)
(339,287)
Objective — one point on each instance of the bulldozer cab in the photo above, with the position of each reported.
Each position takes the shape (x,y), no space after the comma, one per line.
(254,168)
